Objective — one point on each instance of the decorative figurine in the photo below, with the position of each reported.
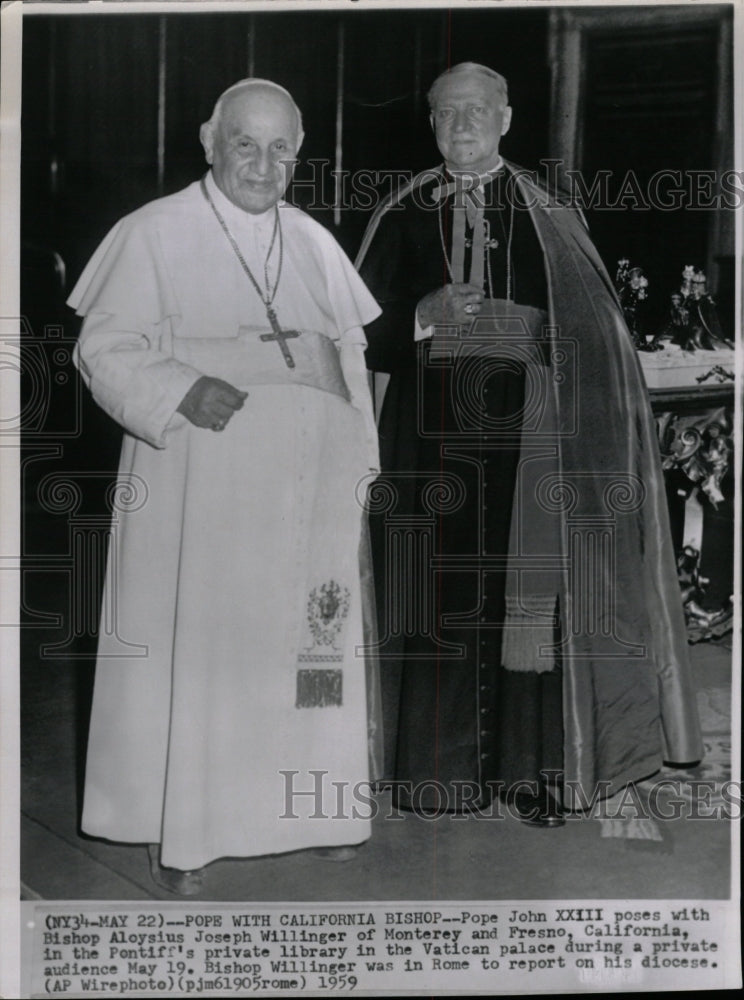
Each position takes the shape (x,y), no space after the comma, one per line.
(631,285)
(677,323)
(692,323)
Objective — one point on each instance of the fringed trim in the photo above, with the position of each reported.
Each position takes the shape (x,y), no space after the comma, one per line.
(635,828)
(319,688)
(530,623)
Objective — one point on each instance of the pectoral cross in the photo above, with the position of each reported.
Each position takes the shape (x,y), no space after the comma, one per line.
(280,336)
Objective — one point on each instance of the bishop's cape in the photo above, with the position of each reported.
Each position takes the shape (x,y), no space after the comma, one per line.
(538,575)
(231,675)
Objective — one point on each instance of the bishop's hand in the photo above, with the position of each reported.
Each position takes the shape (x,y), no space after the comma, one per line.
(210,402)
(455,303)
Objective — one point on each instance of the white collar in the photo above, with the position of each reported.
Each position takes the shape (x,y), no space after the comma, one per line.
(477,179)
(232,214)
(469,182)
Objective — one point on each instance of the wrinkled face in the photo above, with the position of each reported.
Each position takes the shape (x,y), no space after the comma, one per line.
(253,148)
(469,118)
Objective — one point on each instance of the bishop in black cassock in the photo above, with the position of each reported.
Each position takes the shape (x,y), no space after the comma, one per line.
(530,622)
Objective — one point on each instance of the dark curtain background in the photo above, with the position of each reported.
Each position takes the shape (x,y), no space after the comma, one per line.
(101,94)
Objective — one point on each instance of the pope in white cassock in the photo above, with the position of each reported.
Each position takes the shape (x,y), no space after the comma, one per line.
(223,331)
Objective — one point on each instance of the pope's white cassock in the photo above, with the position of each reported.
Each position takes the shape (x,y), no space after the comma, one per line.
(239,572)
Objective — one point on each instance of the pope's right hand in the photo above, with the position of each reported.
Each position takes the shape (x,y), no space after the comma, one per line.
(211,402)
(455,303)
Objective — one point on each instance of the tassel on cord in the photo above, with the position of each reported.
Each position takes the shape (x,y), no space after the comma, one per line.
(530,624)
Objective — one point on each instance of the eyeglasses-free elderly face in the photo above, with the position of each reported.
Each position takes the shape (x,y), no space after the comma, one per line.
(252,147)
(469,117)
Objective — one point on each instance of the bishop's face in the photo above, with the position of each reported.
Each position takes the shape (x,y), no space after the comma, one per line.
(469,117)
(253,148)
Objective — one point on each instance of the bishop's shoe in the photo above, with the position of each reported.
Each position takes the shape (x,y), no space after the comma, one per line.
(542,809)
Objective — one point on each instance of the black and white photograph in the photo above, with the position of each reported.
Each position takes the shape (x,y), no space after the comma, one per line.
(371,533)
